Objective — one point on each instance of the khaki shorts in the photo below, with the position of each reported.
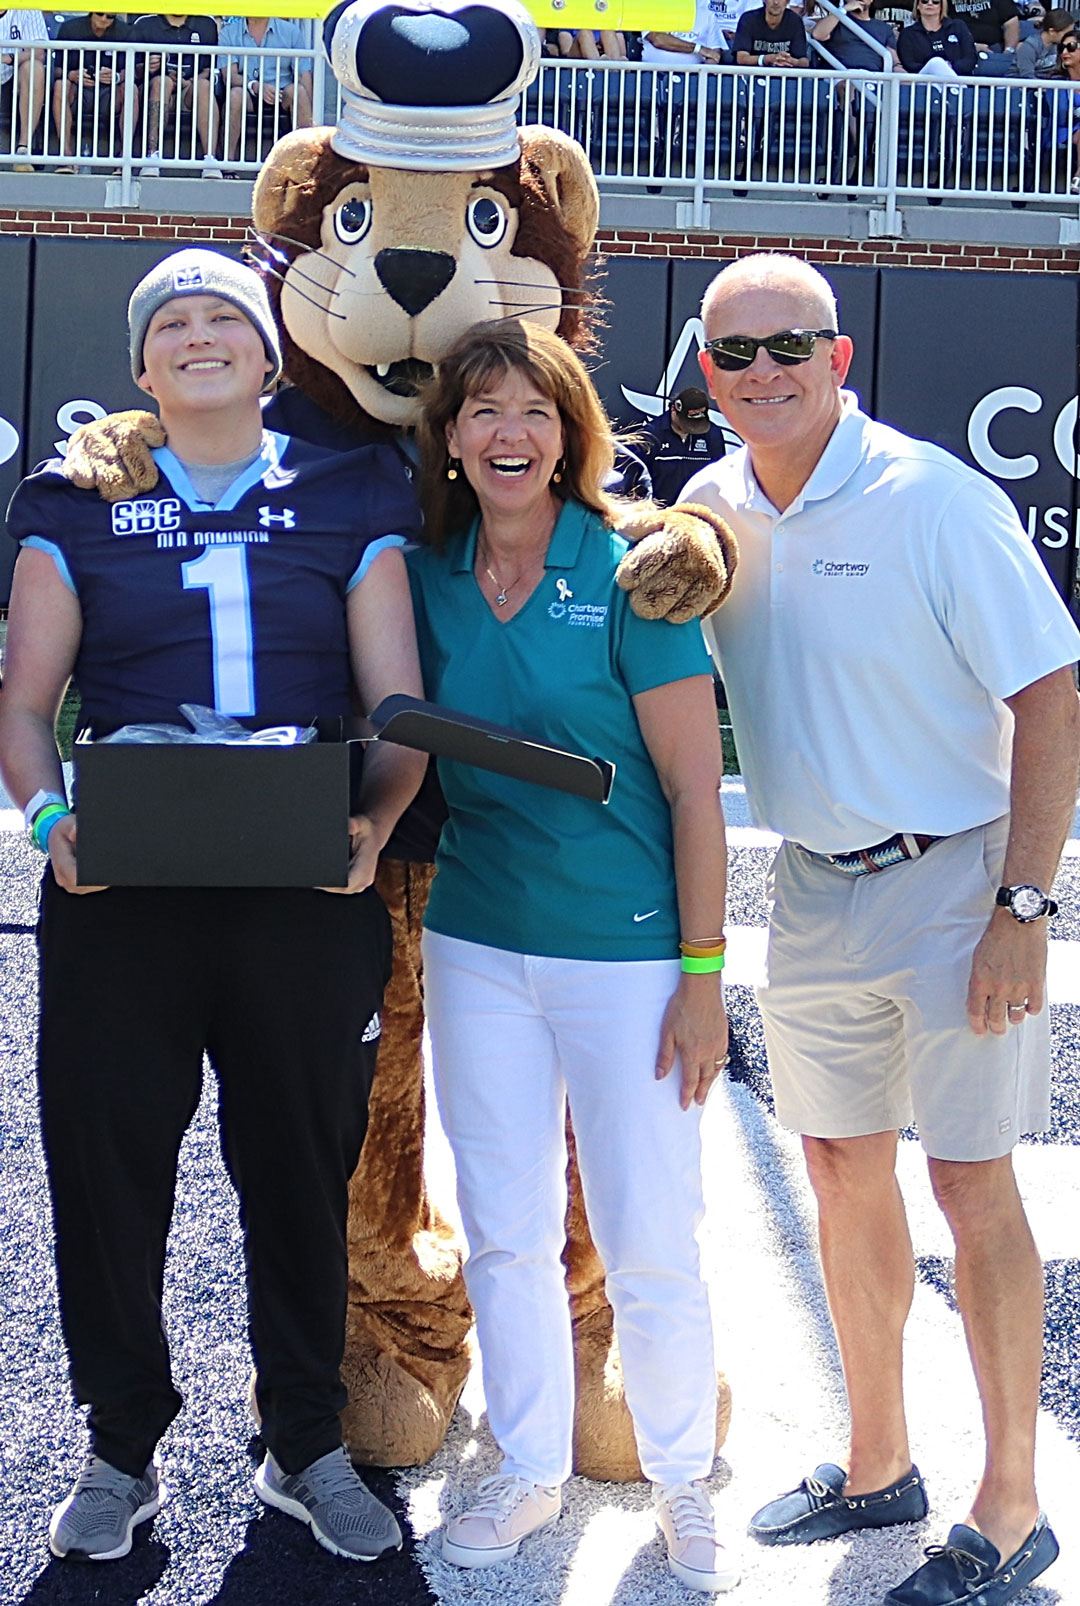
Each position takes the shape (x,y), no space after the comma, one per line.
(864,1003)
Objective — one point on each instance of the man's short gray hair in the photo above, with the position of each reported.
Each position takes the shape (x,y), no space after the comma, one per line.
(770,270)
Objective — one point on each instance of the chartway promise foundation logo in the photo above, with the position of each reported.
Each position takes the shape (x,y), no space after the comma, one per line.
(837,571)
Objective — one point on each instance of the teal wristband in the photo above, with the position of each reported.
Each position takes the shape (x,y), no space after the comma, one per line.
(44,820)
(702,967)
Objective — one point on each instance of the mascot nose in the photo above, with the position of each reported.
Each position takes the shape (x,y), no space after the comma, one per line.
(414,278)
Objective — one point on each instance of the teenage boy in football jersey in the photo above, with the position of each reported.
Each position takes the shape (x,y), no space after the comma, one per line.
(267,582)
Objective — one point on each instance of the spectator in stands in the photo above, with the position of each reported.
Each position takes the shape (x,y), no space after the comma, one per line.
(169,74)
(994,24)
(1065,121)
(723,20)
(683,49)
(772,36)
(1039,56)
(675,446)
(588,44)
(96,76)
(270,80)
(935,43)
(850,50)
(26,82)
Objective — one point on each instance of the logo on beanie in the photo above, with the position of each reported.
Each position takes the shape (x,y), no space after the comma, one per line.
(190,278)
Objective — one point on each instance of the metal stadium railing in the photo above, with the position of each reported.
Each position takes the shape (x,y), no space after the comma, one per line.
(698,133)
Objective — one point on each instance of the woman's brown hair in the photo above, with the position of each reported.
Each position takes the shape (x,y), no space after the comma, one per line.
(480,359)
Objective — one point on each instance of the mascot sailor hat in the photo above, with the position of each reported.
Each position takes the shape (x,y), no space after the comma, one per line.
(425,211)
(433,86)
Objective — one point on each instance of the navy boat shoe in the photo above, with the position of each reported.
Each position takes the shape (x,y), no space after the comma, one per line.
(968,1570)
(819,1508)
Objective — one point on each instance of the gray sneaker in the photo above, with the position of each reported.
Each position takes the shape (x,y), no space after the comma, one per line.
(96,1521)
(343,1514)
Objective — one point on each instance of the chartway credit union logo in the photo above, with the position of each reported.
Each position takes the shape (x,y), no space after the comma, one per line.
(839,571)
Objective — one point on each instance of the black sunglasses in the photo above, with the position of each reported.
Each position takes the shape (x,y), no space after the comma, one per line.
(787,347)
(1069,45)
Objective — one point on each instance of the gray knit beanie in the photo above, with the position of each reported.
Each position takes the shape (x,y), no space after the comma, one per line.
(202,273)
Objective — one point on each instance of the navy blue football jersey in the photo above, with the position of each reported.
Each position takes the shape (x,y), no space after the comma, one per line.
(239,606)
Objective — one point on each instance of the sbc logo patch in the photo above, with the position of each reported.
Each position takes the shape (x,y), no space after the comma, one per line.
(187,278)
(146,517)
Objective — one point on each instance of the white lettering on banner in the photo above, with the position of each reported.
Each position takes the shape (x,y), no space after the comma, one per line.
(978,432)
(71,415)
(1010,397)
(1055,519)
(9,440)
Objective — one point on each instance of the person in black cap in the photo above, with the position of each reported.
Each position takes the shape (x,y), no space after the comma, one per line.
(679,444)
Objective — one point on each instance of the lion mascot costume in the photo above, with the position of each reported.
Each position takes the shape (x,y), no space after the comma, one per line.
(424,211)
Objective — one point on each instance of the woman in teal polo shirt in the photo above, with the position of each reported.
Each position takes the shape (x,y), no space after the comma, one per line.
(552,941)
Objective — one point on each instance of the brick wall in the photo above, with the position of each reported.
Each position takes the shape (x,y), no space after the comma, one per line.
(610,242)
(124,225)
(857,253)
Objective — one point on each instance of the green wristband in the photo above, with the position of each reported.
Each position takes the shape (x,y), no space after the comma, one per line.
(702,967)
(44,820)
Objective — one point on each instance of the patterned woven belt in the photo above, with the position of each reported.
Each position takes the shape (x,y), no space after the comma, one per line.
(868,861)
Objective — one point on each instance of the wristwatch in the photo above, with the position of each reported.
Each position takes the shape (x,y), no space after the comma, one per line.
(1025,903)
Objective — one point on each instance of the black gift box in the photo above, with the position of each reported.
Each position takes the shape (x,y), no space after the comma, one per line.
(205,815)
(213,816)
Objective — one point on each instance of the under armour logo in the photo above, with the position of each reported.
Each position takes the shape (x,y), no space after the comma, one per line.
(187,278)
(286,518)
(563,589)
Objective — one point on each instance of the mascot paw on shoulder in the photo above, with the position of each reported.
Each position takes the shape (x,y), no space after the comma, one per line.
(425,211)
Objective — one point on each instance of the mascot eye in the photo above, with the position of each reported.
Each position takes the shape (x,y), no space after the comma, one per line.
(352,221)
(487,221)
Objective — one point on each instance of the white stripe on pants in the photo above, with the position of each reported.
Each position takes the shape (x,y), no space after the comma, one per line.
(514,1036)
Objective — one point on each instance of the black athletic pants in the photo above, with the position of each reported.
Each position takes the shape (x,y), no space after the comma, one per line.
(280,988)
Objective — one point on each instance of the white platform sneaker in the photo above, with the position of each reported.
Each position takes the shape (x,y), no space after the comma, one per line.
(507,1510)
(685,1516)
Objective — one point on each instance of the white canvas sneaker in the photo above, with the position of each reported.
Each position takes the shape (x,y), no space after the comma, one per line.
(507,1510)
(687,1521)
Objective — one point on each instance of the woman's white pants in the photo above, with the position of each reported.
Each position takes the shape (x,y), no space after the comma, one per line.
(513,1037)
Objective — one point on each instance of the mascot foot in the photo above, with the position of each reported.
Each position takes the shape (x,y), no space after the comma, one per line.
(398,1413)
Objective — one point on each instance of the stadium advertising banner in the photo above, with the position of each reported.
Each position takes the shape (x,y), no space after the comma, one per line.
(672,16)
(983,363)
(14,309)
(989,371)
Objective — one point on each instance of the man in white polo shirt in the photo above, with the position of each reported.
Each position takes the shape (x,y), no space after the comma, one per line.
(899,670)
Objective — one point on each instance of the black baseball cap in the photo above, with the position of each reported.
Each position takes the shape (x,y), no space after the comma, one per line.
(692,406)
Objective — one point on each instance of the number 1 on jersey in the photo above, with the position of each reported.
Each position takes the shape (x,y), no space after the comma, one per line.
(223,572)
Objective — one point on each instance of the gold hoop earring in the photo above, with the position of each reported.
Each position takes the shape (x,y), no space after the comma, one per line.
(451,470)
